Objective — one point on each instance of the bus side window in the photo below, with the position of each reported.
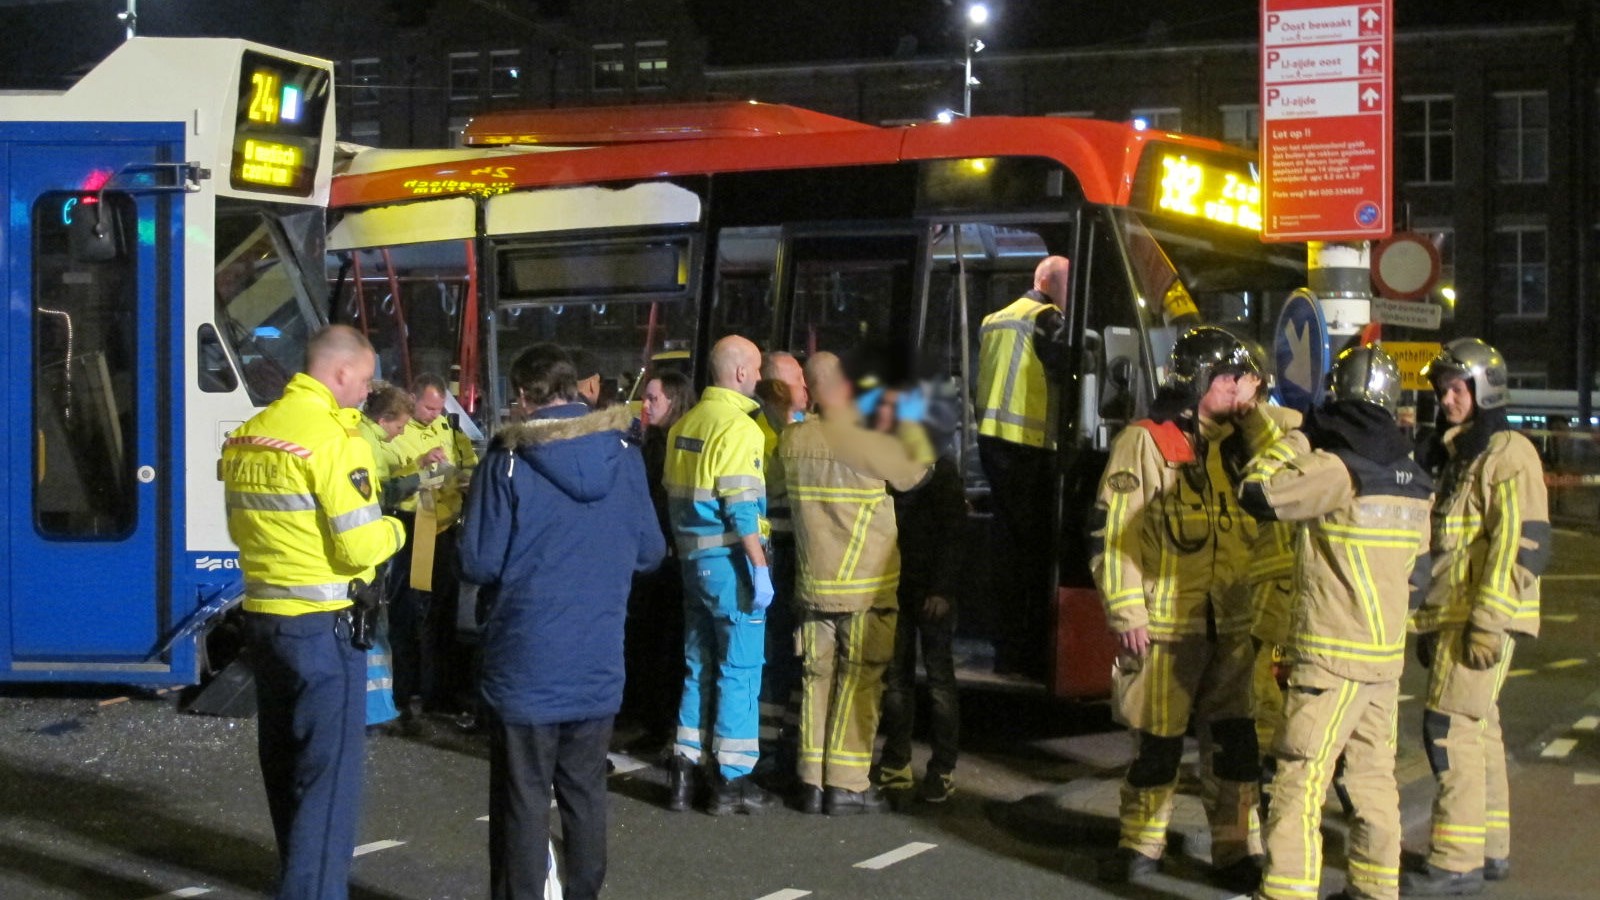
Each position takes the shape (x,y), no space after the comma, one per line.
(745,302)
(216,372)
(1120,384)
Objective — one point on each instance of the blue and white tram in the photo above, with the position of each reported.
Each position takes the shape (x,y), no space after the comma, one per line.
(161,217)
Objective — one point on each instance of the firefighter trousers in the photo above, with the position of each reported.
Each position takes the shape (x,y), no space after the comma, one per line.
(1461,732)
(845,656)
(1326,715)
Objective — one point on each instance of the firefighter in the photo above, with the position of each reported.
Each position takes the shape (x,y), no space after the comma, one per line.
(303,507)
(717,501)
(1169,557)
(1020,356)
(1348,479)
(1491,533)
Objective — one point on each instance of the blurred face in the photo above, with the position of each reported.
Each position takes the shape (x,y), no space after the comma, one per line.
(1455,399)
(883,416)
(1219,399)
(352,381)
(790,373)
(392,426)
(656,404)
(430,405)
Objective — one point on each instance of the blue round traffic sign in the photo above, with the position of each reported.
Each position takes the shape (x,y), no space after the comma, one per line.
(1300,349)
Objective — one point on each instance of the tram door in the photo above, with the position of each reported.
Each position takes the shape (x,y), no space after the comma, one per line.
(91,270)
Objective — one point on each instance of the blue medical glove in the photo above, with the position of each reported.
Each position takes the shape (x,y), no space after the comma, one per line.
(911,406)
(867,402)
(762,577)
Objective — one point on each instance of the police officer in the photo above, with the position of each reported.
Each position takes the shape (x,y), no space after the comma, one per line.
(1491,541)
(303,508)
(717,502)
(1169,557)
(1020,354)
(1348,478)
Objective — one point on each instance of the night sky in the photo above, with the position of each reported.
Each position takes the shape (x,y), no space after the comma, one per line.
(42,39)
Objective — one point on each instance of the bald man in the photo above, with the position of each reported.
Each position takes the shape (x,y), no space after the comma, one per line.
(717,503)
(303,508)
(1021,357)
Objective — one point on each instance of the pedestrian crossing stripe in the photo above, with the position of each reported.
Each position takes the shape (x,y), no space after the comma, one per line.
(1559,748)
(1566,663)
(1587,723)
(1518,673)
(1585,779)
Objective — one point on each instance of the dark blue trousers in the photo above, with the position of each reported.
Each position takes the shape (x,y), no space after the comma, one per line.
(311,699)
(525,762)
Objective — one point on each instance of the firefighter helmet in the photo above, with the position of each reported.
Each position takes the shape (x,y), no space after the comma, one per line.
(1205,352)
(1367,374)
(1479,364)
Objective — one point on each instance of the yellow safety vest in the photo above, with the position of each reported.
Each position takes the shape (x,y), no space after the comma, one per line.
(1014,399)
(418,439)
(302,499)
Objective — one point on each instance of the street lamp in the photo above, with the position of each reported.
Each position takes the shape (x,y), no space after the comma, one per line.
(977,16)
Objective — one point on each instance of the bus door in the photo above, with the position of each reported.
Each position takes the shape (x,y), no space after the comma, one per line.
(89,511)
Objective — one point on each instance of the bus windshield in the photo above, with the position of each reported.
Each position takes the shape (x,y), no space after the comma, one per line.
(264,306)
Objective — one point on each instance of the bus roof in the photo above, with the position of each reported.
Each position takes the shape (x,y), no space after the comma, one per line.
(579,126)
(1103,156)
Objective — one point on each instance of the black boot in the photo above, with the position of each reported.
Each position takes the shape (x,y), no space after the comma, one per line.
(680,784)
(840,802)
(1496,869)
(1126,866)
(1436,882)
(739,795)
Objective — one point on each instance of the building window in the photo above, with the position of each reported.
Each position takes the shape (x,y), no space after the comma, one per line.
(1427,140)
(1522,136)
(1521,272)
(610,68)
(1241,125)
(651,59)
(505,73)
(1528,381)
(466,83)
(1071,114)
(1159,118)
(364,102)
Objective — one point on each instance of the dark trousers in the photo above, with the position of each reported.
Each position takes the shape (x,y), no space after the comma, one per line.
(1019,483)
(428,659)
(780,680)
(653,651)
(311,697)
(900,686)
(524,762)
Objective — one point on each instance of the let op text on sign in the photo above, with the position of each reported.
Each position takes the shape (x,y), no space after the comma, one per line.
(1327,158)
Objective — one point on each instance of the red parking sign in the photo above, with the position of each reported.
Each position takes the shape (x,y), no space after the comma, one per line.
(1327,156)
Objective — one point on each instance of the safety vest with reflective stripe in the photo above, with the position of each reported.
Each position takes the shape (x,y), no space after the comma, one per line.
(714,475)
(417,440)
(1014,402)
(302,498)
(777,491)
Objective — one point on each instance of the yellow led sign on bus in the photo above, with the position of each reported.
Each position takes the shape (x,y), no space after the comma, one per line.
(277,129)
(269,163)
(1191,187)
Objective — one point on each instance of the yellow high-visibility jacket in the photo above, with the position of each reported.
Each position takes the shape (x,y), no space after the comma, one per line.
(1174,545)
(302,502)
(716,490)
(1491,539)
(1015,401)
(782,527)
(839,475)
(418,439)
(1362,551)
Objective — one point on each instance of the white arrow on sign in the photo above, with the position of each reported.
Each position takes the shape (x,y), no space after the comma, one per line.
(1370,97)
(1370,18)
(1370,56)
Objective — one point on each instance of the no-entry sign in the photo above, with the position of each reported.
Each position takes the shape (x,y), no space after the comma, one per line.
(1326,119)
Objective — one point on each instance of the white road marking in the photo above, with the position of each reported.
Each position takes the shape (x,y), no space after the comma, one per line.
(483,818)
(1518,673)
(1585,779)
(1566,663)
(1564,618)
(885,860)
(786,894)
(1587,723)
(375,846)
(1569,578)
(1559,748)
(183,892)
(624,763)
(1405,697)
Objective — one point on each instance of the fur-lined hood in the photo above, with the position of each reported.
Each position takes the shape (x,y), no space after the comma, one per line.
(578,451)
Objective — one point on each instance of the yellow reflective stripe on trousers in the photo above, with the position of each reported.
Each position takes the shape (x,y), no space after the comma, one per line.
(1317,783)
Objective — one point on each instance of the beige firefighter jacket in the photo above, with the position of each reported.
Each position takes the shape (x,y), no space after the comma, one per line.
(839,475)
(1491,539)
(1173,550)
(1361,552)
(1271,571)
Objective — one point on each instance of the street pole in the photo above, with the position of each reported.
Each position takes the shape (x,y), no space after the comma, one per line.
(966,84)
(130,19)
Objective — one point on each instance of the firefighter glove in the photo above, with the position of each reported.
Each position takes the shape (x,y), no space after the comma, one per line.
(1481,649)
(1427,647)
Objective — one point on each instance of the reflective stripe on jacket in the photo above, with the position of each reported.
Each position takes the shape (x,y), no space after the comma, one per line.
(1173,547)
(417,440)
(777,492)
(1272,551)
(1014,399)
(302,499)
(716,486)
(846,541)
(1491,539)
(1362,552)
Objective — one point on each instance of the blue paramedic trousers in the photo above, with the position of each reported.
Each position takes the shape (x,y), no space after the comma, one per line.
(724,650)
(311,698)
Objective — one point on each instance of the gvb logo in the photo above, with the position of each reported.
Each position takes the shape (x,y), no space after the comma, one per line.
(213,563)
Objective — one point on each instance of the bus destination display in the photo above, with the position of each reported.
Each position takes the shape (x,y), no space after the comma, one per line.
(277,134)
(1183,182)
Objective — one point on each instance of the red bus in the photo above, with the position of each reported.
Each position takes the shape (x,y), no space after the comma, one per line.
(636,232)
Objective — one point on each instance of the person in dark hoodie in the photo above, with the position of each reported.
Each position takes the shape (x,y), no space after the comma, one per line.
(558,520)
(1361,503)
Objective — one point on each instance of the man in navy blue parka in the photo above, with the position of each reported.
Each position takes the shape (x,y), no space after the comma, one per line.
(558,520)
